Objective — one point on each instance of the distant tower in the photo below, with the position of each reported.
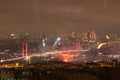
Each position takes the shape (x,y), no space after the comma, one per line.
(73,35)
(85,37)
(92,35)
(24,49)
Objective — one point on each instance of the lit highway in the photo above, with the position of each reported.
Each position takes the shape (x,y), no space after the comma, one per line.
(111,42)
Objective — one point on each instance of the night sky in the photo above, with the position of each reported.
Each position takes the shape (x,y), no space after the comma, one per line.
(37,16)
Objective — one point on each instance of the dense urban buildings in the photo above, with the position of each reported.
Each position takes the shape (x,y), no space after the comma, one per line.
(59,40)
(77,51)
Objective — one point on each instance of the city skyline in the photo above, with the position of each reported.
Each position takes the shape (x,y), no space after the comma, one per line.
(63,16)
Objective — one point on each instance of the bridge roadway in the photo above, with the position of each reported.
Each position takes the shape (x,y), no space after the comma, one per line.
(42,55)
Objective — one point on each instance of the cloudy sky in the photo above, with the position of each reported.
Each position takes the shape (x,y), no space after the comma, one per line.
(37,16)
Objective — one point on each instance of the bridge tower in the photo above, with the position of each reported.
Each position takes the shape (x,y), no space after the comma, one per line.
(78,45)
(24,49)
